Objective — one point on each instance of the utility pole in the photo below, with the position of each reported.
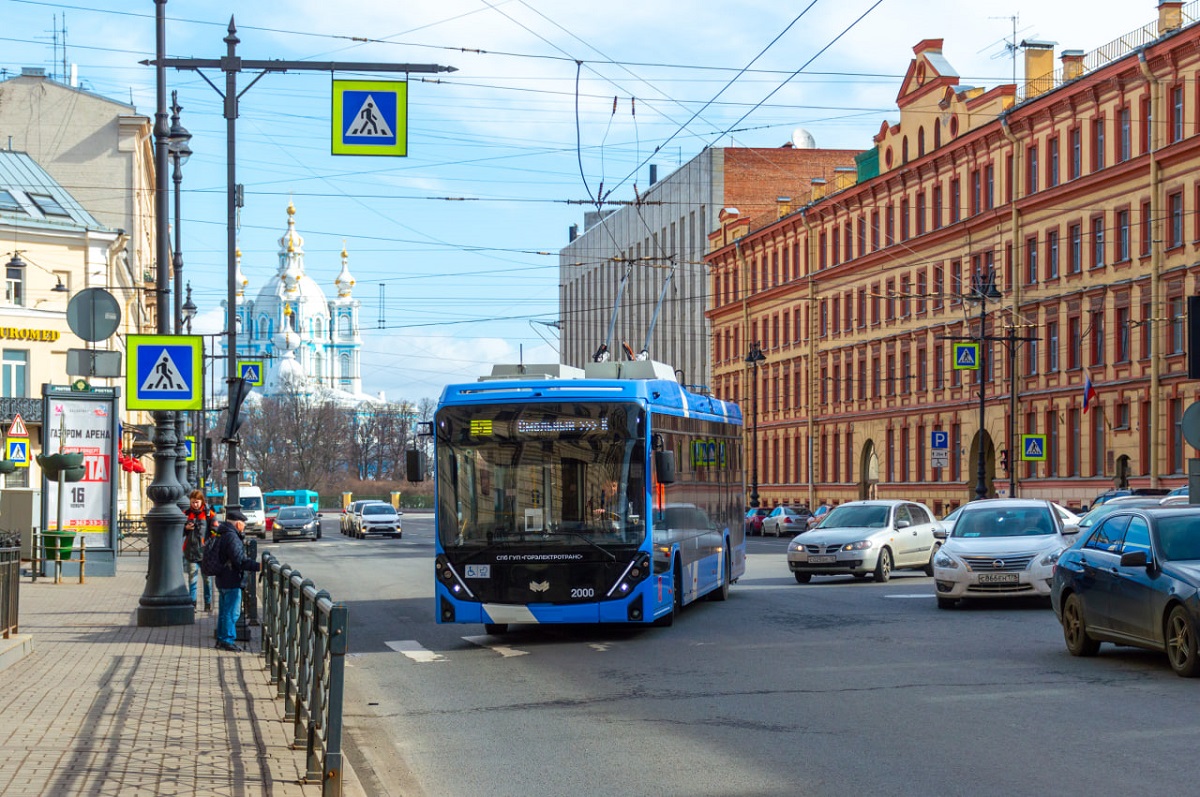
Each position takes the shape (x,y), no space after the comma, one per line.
(232,65)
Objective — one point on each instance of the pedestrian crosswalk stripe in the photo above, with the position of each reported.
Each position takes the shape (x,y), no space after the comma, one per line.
(489,643)
(164,377)
(415,651)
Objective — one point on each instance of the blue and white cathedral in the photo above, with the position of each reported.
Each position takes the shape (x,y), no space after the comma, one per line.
(307,343)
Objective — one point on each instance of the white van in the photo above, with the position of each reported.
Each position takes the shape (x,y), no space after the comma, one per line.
(251,499)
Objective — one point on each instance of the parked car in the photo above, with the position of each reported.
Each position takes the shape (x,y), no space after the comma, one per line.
(1000,547)
(754,519)
(785,520)
(1095,514)
(1180,491)
(377,517)
(296,522)
(817,514)
(1121,492)
(865,538)
(348,514)
(1134,580)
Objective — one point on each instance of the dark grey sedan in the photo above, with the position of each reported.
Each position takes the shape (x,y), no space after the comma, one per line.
(296,523)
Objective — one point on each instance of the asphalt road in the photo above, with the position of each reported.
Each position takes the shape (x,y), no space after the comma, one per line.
(837,687)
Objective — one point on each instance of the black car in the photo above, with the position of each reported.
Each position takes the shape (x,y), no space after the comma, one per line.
(295,523)
(1134,580)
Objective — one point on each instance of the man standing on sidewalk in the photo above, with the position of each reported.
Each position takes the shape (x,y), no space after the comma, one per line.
(229,580)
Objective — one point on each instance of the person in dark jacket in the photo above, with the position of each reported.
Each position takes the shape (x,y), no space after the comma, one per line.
(229,580)
(199,523)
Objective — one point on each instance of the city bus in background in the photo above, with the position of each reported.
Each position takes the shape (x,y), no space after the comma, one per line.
(606,495)
(280,498)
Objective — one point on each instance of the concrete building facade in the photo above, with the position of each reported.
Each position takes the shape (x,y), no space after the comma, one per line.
(1078,191)
(650,253)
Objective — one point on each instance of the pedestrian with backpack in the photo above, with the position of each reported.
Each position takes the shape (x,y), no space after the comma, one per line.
(200,523)
(233,563)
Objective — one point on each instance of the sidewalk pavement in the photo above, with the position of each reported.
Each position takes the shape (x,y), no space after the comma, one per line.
(103,707)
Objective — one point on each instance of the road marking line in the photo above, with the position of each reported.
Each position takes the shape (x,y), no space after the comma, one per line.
(503,650)
(415,651)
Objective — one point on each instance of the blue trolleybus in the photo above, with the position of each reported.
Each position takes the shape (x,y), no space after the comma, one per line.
(563,496)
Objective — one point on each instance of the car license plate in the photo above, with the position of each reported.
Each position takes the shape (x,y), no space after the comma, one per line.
(822,559)
(294,531)
(999,578)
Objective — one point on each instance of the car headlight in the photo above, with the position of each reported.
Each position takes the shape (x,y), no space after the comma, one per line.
(943,559)
(861,545)
(1051,558)
(795,545)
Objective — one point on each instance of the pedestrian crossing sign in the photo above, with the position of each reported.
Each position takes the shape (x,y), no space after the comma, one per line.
(966,356)
(18,452)
(1033,447)
(251,371)
(190,442)
(164,372)
(370,117)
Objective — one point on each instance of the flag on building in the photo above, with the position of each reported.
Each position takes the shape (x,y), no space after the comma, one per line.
(1089,394)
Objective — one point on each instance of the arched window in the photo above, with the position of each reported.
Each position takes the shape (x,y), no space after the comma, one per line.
(920,142)
(319,366)
(344,325)
(904,150)
(345,364)
(937,134)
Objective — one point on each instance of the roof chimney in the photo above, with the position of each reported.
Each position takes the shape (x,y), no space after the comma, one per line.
(572,232)
(784,205)
(1170,16)
(653,173)
(33,71)
(1072,64)
(1039,67)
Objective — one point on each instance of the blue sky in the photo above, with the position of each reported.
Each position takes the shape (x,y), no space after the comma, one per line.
(553,102)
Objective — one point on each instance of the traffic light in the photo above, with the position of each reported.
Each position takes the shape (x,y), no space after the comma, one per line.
(1004,459)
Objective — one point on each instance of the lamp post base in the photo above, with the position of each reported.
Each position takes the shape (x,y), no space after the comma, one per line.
(158,616)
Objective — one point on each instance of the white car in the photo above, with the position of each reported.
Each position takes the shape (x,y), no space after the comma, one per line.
(866,538)
(377,517)
(1000,547)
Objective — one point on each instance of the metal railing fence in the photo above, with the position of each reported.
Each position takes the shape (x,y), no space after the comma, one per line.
(132,536)
(10,583)
(304,637)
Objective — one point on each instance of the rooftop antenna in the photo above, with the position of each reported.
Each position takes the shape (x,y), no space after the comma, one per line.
(1011,46)
(382,289)
(645,352)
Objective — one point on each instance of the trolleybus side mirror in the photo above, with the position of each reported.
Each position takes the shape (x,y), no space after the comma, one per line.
(664,467)
(414,465)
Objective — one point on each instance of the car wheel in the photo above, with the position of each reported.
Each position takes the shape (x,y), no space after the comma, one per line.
(803,578)
(495,629)
(1075,634)
(946,603)
(928,569)
(883,568)
(1181,643)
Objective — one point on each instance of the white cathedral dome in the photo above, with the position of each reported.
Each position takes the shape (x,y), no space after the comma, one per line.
(291,286)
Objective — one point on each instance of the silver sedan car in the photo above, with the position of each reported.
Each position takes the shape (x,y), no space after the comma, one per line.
(866,538)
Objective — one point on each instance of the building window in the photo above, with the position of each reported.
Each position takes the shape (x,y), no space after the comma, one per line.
(344,326)
(1098,341)
(1051,254)
(1075,444)
(16,373)
(921,213)
(989,186)
(1146,330)
(955,200)
(905,222)
(1051,347)
(1075,165)
(937,207)
(1145,127)
(1031,261)
(922,289)
(1098,442)
(1032,367)
(1177,114)
(1031,170)
(1097,242)
(1074,343)
(1098,144)
(976,192)
(14,286)
(939,285)
(1175,211)
(1126,143)
(344,362)
(1052,162)
(1175,410)
(1122,334)
(1122,253)
(1144,223)
(1075,260)
(1178,316)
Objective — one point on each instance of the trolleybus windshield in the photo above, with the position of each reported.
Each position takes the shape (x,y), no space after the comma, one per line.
(553,474)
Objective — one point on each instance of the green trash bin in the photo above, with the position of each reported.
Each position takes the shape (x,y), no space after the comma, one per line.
(60,542)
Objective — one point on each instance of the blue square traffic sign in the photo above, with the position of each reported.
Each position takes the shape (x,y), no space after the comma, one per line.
(164,372)
(939,440)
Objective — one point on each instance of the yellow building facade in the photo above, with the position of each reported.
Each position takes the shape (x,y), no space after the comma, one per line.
(1079,191)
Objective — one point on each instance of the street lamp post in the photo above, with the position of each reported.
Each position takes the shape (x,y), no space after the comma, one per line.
(165,600)
(189,312)
(179,151)
(983,289)
(753,359)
